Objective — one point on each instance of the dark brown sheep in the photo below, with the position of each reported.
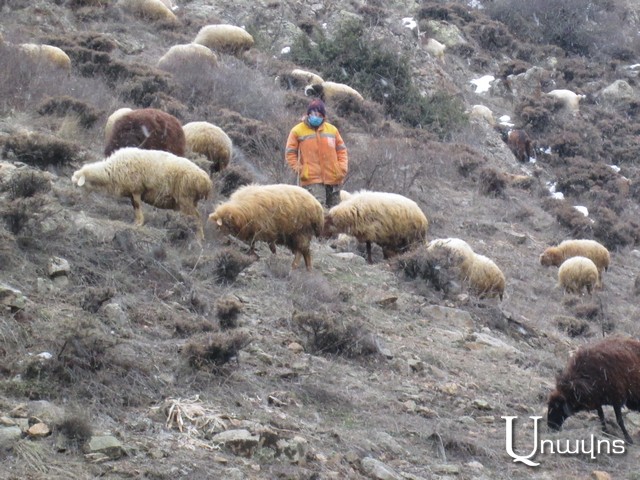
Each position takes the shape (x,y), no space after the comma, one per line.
(149,129)
(605,373)
(520,144)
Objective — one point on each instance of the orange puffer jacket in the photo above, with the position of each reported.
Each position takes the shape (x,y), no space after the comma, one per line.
(317,156)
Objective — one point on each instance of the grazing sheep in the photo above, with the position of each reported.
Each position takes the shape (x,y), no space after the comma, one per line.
(591,249)
(47,55)
(331,90)
(392,221)
(309,78)
(604,373)
(460,253)
(520,144)
(277,214)
(154,177)
(482,112)
(147,128)
(154,10)
(484,277)
(211,141)
(225,38)
(577,273)
(108,127)
(435,48)
(569,99)
(190,55)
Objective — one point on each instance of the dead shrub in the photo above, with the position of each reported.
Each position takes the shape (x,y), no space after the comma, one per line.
(27,183)
(579,225)
(40,150)
(94,41)
(589,311)
(329,335)
(19,214)
(62,106)
(492,183)
(76,428)
(312,290)
(612,231)
(573,327)
(94,297)
(84,350)
(227,310)
(232,178)
(581,176)
(228,263)
(437,267)
(216,351)
(537,113)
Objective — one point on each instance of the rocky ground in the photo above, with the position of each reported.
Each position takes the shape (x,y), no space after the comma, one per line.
(133,352)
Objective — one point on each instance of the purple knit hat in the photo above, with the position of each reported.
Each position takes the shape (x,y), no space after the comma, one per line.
(318,106)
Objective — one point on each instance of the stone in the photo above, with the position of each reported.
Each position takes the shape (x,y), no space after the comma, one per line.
(481,404)
(600,475)
(295,347)
(378,470)
(58,266)
(39,430)
(12,297)
(240,442)
(106,445)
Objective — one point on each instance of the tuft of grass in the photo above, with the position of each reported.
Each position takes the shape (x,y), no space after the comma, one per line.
(27,183)
(41,150)
(217,350)
(227,310)
(228,264)
(65,105)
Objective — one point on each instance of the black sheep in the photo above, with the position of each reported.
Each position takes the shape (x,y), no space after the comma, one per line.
(606,373)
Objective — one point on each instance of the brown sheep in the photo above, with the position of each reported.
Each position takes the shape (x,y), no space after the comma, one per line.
(149,129)
(277,214)
(591,249)
(605,373)
(520,144)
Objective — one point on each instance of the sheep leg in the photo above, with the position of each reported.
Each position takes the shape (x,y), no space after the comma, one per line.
(601,417)
(192,211)
(136,202)
(369,259)
(617,410)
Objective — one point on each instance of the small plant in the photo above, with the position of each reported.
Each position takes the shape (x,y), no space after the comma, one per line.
(40,150)
(27,183)
(227,310)
(65,105)
(76,428)
(217,351)
(228,264)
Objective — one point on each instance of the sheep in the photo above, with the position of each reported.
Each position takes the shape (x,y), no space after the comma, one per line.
(577,273)
(190,55)
(154,10)
(569,99)
(435,48)
(520,144)
(277,214)
(392,221)
(225,38)
(482,112)
(147,128)
(591,249)
(331,91)
(484,277)
(309,78)
(108,127)
(47,55)
(460,253)
(604,373)
(211,141)
(157,178)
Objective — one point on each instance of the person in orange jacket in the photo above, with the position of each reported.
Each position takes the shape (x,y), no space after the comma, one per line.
(316,152)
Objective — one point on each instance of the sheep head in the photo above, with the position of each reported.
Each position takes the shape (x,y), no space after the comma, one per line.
(558,410)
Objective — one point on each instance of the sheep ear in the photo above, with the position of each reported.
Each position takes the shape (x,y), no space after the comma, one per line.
(81,181)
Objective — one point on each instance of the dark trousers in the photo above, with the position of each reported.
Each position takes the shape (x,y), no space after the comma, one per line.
(327,195)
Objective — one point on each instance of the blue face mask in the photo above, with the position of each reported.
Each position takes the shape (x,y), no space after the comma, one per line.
(315,120)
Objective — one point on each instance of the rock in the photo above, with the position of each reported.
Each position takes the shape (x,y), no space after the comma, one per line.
(58,266)
(8,436)
(39,430)
(481,404)
(45,411)
(387,442)
(106,445)
(295,347)
(378,470)
(452,317)
(12,297)
(446,469)
(240,442)
(600,475)
(294,449)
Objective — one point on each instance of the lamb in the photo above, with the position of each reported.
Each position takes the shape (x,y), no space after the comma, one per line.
(47,55)
(190,55)
(211,141)
(569,99)
(435,48)
(154,10)
(147,128)
(520,144)
(604,373)
(108,127)
(277,214)
(591,249)
(331,90)
(154,177)
(225,38)
(577,273)
(392,221)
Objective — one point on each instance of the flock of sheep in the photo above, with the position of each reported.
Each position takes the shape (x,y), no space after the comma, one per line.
(145,162)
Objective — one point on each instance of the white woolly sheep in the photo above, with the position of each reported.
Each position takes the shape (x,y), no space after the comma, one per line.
(482,112)
(154,177)
(460,253)
(306,77)
(435,48)
(225,38)
(393,221)
(113,118)
(331,90)
(591,249)
(485,279)
(577,273)
(211,141)
(154,10)
(277,214)
(47,55)
(188,55)
(569,99)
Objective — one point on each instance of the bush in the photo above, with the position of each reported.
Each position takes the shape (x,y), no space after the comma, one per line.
(65,105)
(228,264)
(218,350)
(40,150)
(23,184)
